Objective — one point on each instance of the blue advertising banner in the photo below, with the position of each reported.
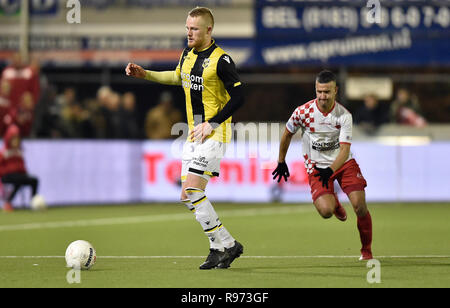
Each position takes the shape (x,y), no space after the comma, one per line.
(352,32)
(325,18)
(400,48)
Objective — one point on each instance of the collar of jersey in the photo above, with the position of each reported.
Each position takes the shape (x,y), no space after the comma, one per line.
(206,49)
(325,113)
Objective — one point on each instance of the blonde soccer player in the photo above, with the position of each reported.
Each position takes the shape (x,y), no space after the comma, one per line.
(213,93)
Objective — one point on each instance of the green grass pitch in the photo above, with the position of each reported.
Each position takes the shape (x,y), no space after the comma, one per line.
(285,246)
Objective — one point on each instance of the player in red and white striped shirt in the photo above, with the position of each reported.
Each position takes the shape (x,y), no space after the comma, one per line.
(326,128)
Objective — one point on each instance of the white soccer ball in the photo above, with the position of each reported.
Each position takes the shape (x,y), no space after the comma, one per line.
(80,255)
(38,203)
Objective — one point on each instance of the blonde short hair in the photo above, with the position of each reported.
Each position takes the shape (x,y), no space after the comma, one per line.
(203,12)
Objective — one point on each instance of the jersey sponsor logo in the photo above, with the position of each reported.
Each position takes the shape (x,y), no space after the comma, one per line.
(191,81)
(226,58)
(329,125)
(325,146)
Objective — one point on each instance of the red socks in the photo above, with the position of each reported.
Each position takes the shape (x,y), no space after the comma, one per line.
(365,231)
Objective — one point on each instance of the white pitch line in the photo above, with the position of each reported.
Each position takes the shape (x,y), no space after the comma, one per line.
(281,210)
(242,257)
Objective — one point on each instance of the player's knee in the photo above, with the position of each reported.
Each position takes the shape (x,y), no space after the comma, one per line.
(325,206)
(359,206)
(195,195)
(183,195)
(360,209)
(204,213)
(325,212)
(358,201)
(192,192)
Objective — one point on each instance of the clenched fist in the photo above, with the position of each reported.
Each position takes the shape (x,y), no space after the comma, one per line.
(135,70)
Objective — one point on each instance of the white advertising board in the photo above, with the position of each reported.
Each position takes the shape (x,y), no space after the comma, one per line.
(93,172)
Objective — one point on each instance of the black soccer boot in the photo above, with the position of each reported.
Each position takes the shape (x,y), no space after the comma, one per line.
(231,254)
(214,258)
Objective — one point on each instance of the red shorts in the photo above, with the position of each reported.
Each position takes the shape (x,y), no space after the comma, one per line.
(348,176)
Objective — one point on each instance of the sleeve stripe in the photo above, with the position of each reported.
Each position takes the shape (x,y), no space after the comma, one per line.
(289,130)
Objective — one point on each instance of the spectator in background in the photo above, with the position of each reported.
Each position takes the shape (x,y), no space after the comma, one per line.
(77,122)
(12,166)
(160,119)
(23,79)
(113,117)
(129,126)
(51,123)
(99,111)
(23,115)
(371,115)
(64,100)
(5,106)
(405,109)
(46,98)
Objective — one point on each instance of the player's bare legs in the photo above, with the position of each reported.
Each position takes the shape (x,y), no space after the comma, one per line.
(358,201)
(328,204)
(325,205)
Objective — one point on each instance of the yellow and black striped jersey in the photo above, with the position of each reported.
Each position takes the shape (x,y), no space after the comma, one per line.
(205,77)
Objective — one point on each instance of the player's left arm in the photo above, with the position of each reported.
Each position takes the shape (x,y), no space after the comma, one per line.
(226,70)
(345,137)
(344,151)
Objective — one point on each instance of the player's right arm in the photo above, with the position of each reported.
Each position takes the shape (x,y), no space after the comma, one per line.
(165,77)
(292,126)
(284,145)
(282,169)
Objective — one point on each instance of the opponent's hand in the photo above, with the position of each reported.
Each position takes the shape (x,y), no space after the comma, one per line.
(201,132)
(281,171)
(324,175)
(135,70)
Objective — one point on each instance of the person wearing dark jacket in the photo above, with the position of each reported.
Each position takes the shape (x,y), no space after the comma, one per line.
(371,115)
